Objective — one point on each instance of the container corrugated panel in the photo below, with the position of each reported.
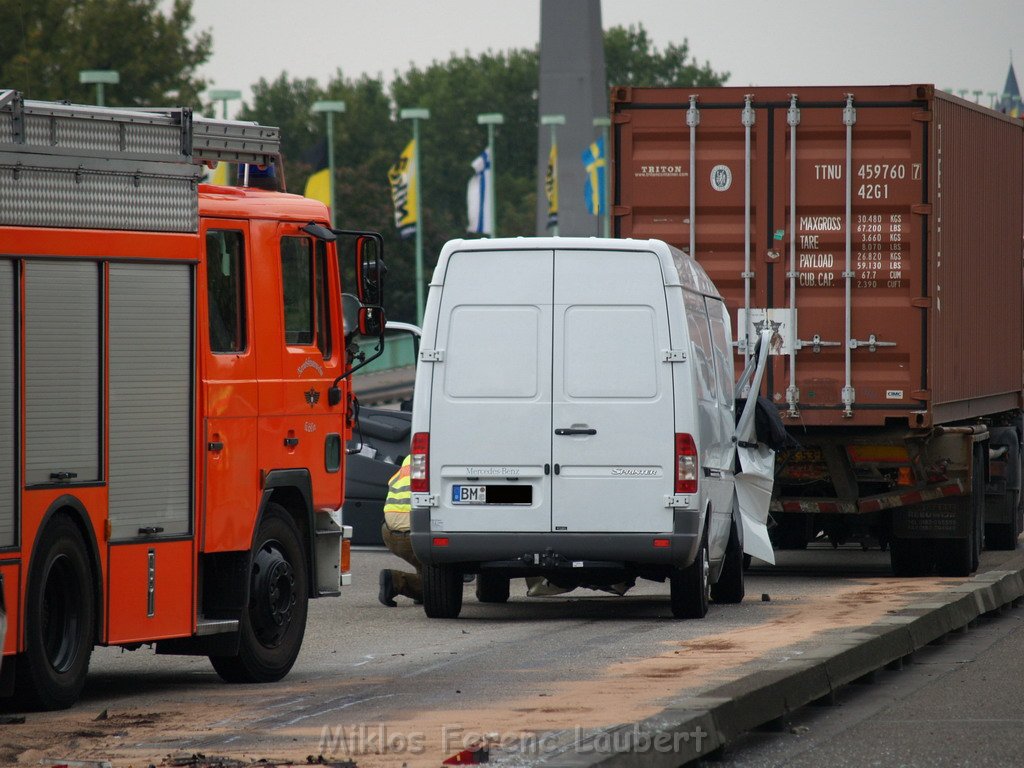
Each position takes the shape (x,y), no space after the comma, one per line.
(793,189)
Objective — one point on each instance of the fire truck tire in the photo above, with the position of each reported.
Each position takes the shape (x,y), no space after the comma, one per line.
(492,588)
(730,588)
(442,592)
(274,622)
(60,619)
(690,587)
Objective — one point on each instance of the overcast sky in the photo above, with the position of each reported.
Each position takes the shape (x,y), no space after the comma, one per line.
(954,44)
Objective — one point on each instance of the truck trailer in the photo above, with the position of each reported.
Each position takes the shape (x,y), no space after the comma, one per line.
(876,231)
(174,400)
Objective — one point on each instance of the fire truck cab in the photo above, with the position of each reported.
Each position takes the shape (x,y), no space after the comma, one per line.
(173,395)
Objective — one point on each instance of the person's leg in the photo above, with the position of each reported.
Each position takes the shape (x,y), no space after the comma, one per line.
(403,583)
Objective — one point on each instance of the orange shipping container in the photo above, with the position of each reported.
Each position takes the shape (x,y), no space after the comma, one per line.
(878,231)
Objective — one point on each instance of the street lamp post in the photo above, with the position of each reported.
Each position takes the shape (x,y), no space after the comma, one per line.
(330,108)
(99,77)
(492,119)
(224,95)
(554,121)
(606,221)
(416,114)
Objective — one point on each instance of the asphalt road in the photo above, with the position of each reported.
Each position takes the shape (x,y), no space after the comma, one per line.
(387,686)
(958,704)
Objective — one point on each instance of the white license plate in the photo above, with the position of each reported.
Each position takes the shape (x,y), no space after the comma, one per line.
(469,494)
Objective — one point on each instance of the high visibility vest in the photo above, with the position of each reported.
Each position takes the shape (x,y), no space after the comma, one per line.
(399,501)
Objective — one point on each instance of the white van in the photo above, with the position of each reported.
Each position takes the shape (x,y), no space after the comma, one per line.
(574,418)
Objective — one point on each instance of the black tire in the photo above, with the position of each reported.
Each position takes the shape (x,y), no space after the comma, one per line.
(1004,507)
(492,588)
(1004,535)
(274,622)
(690,587)
(910,557)
(60,620)
(442,592)
(729,588)
(955,557)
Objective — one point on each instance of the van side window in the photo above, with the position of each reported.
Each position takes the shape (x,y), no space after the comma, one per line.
(719,317)
(700,343)
(225,290)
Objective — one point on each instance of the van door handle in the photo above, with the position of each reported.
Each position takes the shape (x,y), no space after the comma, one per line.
(573,431)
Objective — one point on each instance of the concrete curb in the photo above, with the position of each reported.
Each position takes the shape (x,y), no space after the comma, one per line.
(691,728)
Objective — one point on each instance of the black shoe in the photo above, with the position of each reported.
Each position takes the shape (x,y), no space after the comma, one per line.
(387,590)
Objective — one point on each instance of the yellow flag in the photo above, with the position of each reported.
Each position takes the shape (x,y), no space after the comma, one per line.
(318,187)
(404,190)
(551,186)
(220,174)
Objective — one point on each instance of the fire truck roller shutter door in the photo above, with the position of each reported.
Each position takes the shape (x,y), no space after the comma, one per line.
(8,437)
(150,398)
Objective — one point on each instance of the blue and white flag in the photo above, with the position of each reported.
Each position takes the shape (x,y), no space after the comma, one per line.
(595,187)
(479,195)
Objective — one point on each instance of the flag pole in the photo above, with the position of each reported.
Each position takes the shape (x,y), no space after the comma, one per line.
(492,119)
(329,108)
(606,220)
(554,121)
(416,114)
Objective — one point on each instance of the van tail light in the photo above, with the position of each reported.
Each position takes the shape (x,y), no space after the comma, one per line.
(419,464)
(686,463)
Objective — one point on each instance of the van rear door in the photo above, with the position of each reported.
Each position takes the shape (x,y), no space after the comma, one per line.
(612,406)
(490,411)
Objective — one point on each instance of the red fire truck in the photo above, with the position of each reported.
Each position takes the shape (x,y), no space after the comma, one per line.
(174,401)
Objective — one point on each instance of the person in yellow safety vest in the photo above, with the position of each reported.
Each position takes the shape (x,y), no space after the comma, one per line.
(395,532)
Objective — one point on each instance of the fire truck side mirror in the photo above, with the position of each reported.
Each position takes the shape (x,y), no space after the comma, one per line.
(371,321)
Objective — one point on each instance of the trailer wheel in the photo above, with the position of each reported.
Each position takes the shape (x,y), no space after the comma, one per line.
(60,618)
(492,588)
(910,557)
(690,587)
(729,587)
(274,622)
(442,592)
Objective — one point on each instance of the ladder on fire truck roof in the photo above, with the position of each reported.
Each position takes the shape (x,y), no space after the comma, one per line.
(203,140)
(72,165)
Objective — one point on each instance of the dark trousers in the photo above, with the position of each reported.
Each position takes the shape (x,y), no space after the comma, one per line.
(408,584)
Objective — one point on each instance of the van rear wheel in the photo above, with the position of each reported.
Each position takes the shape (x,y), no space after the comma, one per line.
(442,592)
(691,586)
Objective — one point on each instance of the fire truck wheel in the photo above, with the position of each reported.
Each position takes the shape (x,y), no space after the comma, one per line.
(274,622)
(690,587)
(60,617)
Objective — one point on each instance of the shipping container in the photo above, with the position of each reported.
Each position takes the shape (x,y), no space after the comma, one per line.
(877,230)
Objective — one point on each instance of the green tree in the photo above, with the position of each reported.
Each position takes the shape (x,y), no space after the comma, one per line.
(630,58)
(46,43)
(369,137)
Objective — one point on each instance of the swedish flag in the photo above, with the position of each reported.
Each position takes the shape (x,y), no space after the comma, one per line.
(596,184)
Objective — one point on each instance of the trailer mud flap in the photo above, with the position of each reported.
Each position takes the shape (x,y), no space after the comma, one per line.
(940,519)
